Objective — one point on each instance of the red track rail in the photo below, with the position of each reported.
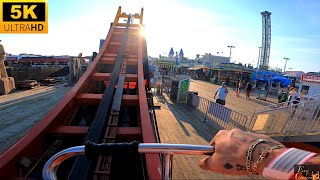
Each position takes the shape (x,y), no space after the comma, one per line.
(34,145)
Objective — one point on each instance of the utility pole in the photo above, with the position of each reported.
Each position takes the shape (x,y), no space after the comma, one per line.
(230,50)
(284,69)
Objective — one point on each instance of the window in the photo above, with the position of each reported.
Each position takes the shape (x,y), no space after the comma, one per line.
(305,89)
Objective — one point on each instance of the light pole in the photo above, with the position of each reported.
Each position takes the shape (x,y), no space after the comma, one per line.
(284,69)
(230,49)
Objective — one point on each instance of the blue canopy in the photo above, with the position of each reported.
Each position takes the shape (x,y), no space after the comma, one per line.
(151,68)
(264,75)
(283,80)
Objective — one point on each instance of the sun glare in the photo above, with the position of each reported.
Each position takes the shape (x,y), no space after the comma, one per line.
(142,32)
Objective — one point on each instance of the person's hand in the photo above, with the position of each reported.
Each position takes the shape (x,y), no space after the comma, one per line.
(231,151)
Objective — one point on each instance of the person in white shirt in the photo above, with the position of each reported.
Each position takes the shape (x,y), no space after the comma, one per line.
(293,95)
(221,94)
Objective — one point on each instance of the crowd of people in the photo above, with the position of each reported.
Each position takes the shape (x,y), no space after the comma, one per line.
(289,94)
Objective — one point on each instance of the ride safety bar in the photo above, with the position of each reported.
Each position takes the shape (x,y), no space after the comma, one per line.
(91,150)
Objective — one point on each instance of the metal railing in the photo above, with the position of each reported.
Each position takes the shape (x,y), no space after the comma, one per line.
(313,98)
(286,105)
(218,115)
(283,105)
(288,119)
(284,118)
(90,150)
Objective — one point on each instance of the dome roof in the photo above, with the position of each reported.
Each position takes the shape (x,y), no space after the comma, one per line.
(171,52)
(181,52)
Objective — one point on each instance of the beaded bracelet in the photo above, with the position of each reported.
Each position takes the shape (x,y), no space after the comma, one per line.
(263,155)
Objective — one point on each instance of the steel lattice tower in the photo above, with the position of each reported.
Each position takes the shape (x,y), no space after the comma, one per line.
(266,40)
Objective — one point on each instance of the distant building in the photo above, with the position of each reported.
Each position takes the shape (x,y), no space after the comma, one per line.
(181,55)
(275,69)
(171,53)
(293,73)
(310,86)
(101,43)
(210,60)
(45,61)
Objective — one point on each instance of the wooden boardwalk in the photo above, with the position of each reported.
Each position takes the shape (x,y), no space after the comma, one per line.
(180,123)
(20,110)
(243,105)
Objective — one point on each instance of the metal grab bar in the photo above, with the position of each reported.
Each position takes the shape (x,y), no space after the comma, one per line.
(50,168)
(311,97)
(162,148)
(168,150)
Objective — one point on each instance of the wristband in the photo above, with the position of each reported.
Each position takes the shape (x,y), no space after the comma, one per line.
(282,167)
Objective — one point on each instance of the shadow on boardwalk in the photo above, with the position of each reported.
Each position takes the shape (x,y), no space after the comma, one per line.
(188,114)
(183,124)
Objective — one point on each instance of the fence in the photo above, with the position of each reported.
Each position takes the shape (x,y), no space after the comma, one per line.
(286,105)
(218,115)
(287,119)
(284,118)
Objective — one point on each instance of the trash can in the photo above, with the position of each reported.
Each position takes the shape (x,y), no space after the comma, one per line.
(190,93)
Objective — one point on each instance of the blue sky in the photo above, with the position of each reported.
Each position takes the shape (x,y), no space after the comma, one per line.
(196,26)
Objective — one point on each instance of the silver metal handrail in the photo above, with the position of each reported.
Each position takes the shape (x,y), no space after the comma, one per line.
(310,97)
(168,150)
(279,106)
(50,168)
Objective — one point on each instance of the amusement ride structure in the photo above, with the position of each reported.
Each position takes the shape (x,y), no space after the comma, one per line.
(266,40)
(111,103)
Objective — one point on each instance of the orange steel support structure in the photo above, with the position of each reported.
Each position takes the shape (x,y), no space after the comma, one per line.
(63,126)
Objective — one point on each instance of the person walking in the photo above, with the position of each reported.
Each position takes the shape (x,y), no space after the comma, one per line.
(3,72)
(292,96)
(221,94)
(239,85)
(284,97)
(280,93)
(248,89)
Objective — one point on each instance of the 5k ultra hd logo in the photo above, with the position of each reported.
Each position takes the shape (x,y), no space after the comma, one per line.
(24,16)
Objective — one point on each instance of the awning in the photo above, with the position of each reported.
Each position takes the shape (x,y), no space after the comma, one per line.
(198,67)
(151,68)
(195,68)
